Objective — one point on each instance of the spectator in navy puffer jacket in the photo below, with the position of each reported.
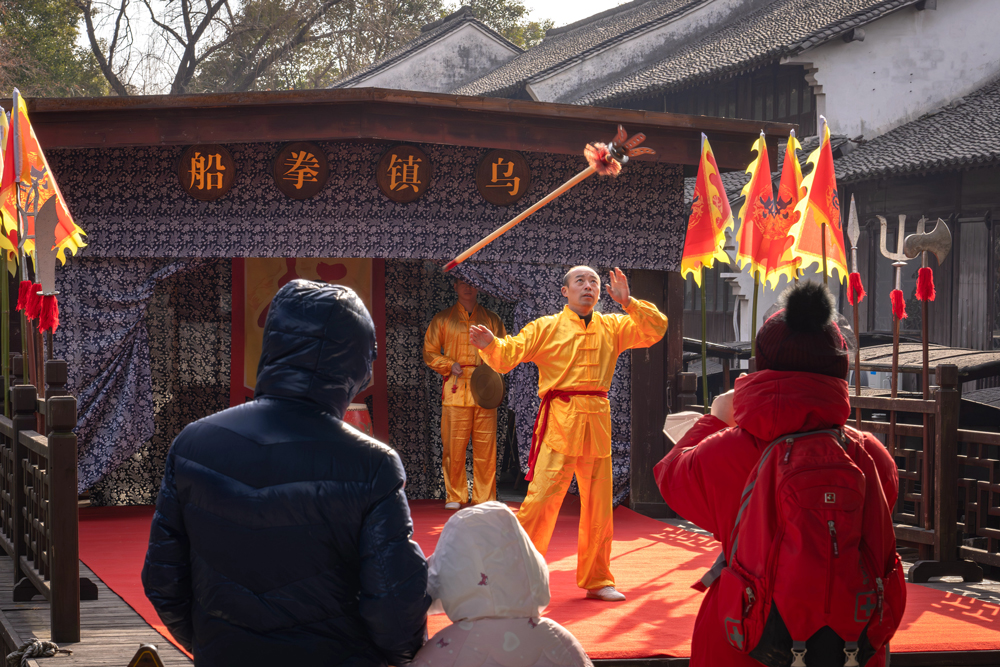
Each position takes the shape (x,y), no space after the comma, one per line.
(282,535)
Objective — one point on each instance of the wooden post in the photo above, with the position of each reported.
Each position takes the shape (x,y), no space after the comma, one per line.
(946,561)
(687,395)
(63,518)
(23,402)
(649,404)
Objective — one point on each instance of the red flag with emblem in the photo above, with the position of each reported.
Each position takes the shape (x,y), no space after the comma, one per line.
(710,217)
(777,244)
(757,212)
(819,206)
(27,176)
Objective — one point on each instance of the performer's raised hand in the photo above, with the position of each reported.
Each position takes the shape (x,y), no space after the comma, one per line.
(618,287)
(479,336)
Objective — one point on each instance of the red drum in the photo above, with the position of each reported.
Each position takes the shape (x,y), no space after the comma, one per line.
(358,417)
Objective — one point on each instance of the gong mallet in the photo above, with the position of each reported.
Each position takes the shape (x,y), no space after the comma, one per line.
(606,160)
(898,311)
(855,293)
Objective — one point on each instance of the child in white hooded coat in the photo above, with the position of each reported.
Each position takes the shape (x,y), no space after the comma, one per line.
(493,584)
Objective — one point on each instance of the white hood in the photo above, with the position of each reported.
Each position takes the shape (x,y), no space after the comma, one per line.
(485,566)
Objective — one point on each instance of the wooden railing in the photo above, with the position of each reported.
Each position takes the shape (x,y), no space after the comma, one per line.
(39,527)
(948,506)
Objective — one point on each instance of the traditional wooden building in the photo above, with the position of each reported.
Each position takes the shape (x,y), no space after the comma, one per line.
(197,208)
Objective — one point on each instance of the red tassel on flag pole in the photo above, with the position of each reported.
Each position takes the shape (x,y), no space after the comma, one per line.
(925,284)
(23,292)
(49,319)
(34,306)
(855,290)
(898,304)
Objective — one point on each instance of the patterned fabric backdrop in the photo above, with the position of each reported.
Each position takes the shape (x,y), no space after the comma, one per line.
(145,322)
(131,205)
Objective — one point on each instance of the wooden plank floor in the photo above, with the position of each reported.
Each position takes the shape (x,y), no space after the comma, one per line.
(110,631)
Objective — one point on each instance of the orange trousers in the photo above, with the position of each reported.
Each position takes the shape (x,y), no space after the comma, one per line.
(540,509)
(458,425)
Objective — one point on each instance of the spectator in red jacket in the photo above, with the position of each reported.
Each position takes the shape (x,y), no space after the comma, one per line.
(799,386)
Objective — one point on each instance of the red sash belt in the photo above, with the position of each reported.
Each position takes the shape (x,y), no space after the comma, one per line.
(543,416)
(454,386)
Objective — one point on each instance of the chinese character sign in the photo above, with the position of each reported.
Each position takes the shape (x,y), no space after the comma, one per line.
(404,173)
(503,177)
(207,171)
(301,170)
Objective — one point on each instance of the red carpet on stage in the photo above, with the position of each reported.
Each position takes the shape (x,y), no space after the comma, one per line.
(654,565)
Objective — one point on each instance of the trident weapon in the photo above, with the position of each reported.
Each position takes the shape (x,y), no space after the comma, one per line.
(936,242)
(898,313)
(853,232)
(601,159)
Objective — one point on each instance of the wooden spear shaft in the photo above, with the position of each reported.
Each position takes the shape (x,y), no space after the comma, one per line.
(857,359)
(500,231)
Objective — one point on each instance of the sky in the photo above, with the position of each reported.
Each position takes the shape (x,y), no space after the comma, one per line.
(564,12)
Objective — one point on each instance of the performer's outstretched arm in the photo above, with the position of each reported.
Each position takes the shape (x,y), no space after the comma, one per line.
(645,324)
(503,354)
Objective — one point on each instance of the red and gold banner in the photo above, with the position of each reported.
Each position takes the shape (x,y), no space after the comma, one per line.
(757,213)
(7,245)
(777,244)
(820,205)
(710,217)
(27,175)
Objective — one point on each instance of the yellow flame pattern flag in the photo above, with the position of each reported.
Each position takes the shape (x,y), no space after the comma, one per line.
(757,213)
(709,220)
(27,177)
(778,245)
(820,205)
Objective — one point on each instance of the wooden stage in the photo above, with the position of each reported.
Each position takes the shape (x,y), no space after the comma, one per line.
(111,633)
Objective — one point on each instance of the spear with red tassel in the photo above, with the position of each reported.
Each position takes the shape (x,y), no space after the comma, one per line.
(606,160)
(855,293)
(898,313)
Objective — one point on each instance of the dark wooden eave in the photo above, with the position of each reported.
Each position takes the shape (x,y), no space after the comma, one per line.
(389,115)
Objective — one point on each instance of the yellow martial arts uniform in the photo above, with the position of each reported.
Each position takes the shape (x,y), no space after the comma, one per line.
(447,342)
(574,356)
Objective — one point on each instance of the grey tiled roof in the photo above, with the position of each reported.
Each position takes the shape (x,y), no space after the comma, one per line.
(783,27)
(428,34)
(567,44)
(966,133)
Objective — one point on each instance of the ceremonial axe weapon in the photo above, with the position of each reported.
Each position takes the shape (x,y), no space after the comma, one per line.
(938,243)
(898,312)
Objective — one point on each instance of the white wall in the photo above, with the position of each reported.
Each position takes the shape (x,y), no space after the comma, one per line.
(459,57)
(578,78)
(911,62)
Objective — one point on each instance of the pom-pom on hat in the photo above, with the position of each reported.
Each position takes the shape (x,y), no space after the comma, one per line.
(803,336)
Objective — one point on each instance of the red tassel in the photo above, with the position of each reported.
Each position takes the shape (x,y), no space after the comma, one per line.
(600,160)
(898,304)
(925,284)
(34,307)
(23,290)
(49,319)
(855,290)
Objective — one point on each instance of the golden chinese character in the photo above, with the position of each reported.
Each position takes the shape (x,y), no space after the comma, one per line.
(504,180)
(207,175)
(404,173)
(302,167)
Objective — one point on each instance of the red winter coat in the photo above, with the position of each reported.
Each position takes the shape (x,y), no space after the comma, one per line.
(703,476)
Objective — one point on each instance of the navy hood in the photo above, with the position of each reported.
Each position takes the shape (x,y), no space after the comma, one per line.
(319,346)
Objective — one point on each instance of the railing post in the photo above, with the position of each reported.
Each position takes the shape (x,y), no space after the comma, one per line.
(23,402)
(687,384)
(946,463)
(63,518)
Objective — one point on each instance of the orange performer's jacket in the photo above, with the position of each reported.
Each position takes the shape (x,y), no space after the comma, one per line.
(572,356)
(447,342)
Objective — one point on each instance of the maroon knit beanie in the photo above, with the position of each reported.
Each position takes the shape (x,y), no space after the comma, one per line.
(803,336)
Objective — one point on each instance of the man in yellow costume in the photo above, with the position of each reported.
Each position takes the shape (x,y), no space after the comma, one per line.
(447,351)
(575,352)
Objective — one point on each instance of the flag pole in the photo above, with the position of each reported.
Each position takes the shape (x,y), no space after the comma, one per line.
(704,345)
(753,316)
(5,326)
(21,228)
